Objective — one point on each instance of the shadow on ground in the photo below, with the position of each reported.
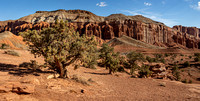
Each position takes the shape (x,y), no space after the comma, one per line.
(97,73)
(20,71)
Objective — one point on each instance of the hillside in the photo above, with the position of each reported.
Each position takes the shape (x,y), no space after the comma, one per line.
(106,28)
(14,42)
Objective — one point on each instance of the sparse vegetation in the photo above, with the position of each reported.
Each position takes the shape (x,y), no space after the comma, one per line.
(132,58)
(60,46)
(197,57)
(144,71)
(186,64)
(109,58)
(32,65)
(80,80)
(4,46)
(12,52)
(166,54)
(176,72)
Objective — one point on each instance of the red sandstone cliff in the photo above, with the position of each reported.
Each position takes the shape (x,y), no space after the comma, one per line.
(116,25)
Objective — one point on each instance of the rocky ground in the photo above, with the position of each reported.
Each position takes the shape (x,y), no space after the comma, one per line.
(19,83)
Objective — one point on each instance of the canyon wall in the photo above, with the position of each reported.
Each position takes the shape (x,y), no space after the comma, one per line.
(137,27)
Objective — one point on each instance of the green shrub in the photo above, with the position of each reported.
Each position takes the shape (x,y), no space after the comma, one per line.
(190,57)
(157,56)
(144,71)
(197,54)
(132,57)
(80,80)
(166,55)
(181,55)
(110,59)
(197,59)
(186,64)
(176,72)
(4,46)
(32,65)
(190,81)
(12,52)
(184,81)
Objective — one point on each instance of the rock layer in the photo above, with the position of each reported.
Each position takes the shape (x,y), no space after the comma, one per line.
(115,25)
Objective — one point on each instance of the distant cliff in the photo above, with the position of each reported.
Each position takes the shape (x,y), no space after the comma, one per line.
(115,25)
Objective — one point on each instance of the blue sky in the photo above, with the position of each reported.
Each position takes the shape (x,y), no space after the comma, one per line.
(170,12)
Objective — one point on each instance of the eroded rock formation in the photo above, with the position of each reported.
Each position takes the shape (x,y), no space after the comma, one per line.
(115,25)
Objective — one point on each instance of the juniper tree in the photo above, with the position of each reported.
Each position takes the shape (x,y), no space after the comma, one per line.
(132,58)
(60,46)
(110,59)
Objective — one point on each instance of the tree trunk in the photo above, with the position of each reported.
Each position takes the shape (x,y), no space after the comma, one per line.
(59,68)
(110,71)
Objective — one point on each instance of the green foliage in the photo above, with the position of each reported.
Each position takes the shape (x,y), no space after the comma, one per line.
(4,46)
(186,64)
(184,81)
(166,55)
(144,71)
(32,65)
(176,72)
(197,54)
(197,57)
(190,57)
(157,56)
(132,57)
(181,55)
(12,52)
(60,46)
(110,59)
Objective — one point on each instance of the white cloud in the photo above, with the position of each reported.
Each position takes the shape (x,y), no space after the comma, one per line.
(153,16)
(101,4)
(196,7)
(163,2)
(147,4)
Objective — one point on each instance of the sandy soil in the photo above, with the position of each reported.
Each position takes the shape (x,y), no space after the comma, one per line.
(117,87)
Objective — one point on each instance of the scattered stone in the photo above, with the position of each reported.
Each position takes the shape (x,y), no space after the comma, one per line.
(163,84)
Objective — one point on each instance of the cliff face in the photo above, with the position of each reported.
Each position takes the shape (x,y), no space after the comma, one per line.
(116,25)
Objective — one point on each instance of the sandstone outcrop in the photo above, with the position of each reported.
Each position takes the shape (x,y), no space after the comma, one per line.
(115,25)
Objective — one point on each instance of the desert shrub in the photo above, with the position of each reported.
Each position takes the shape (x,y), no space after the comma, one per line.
(181,55)
(144,71)
(166,54)
(162,60)
(197,54)
(157,56)
(190,57)
(176,72)
(32,65)
(184,81)
(197,57)
(190,81)
(4,46)
(132,57)
(80,80)
(186,64)
(157,59)
(60,46)
(149,59)
(12,52)
(181,59)
(109,58)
